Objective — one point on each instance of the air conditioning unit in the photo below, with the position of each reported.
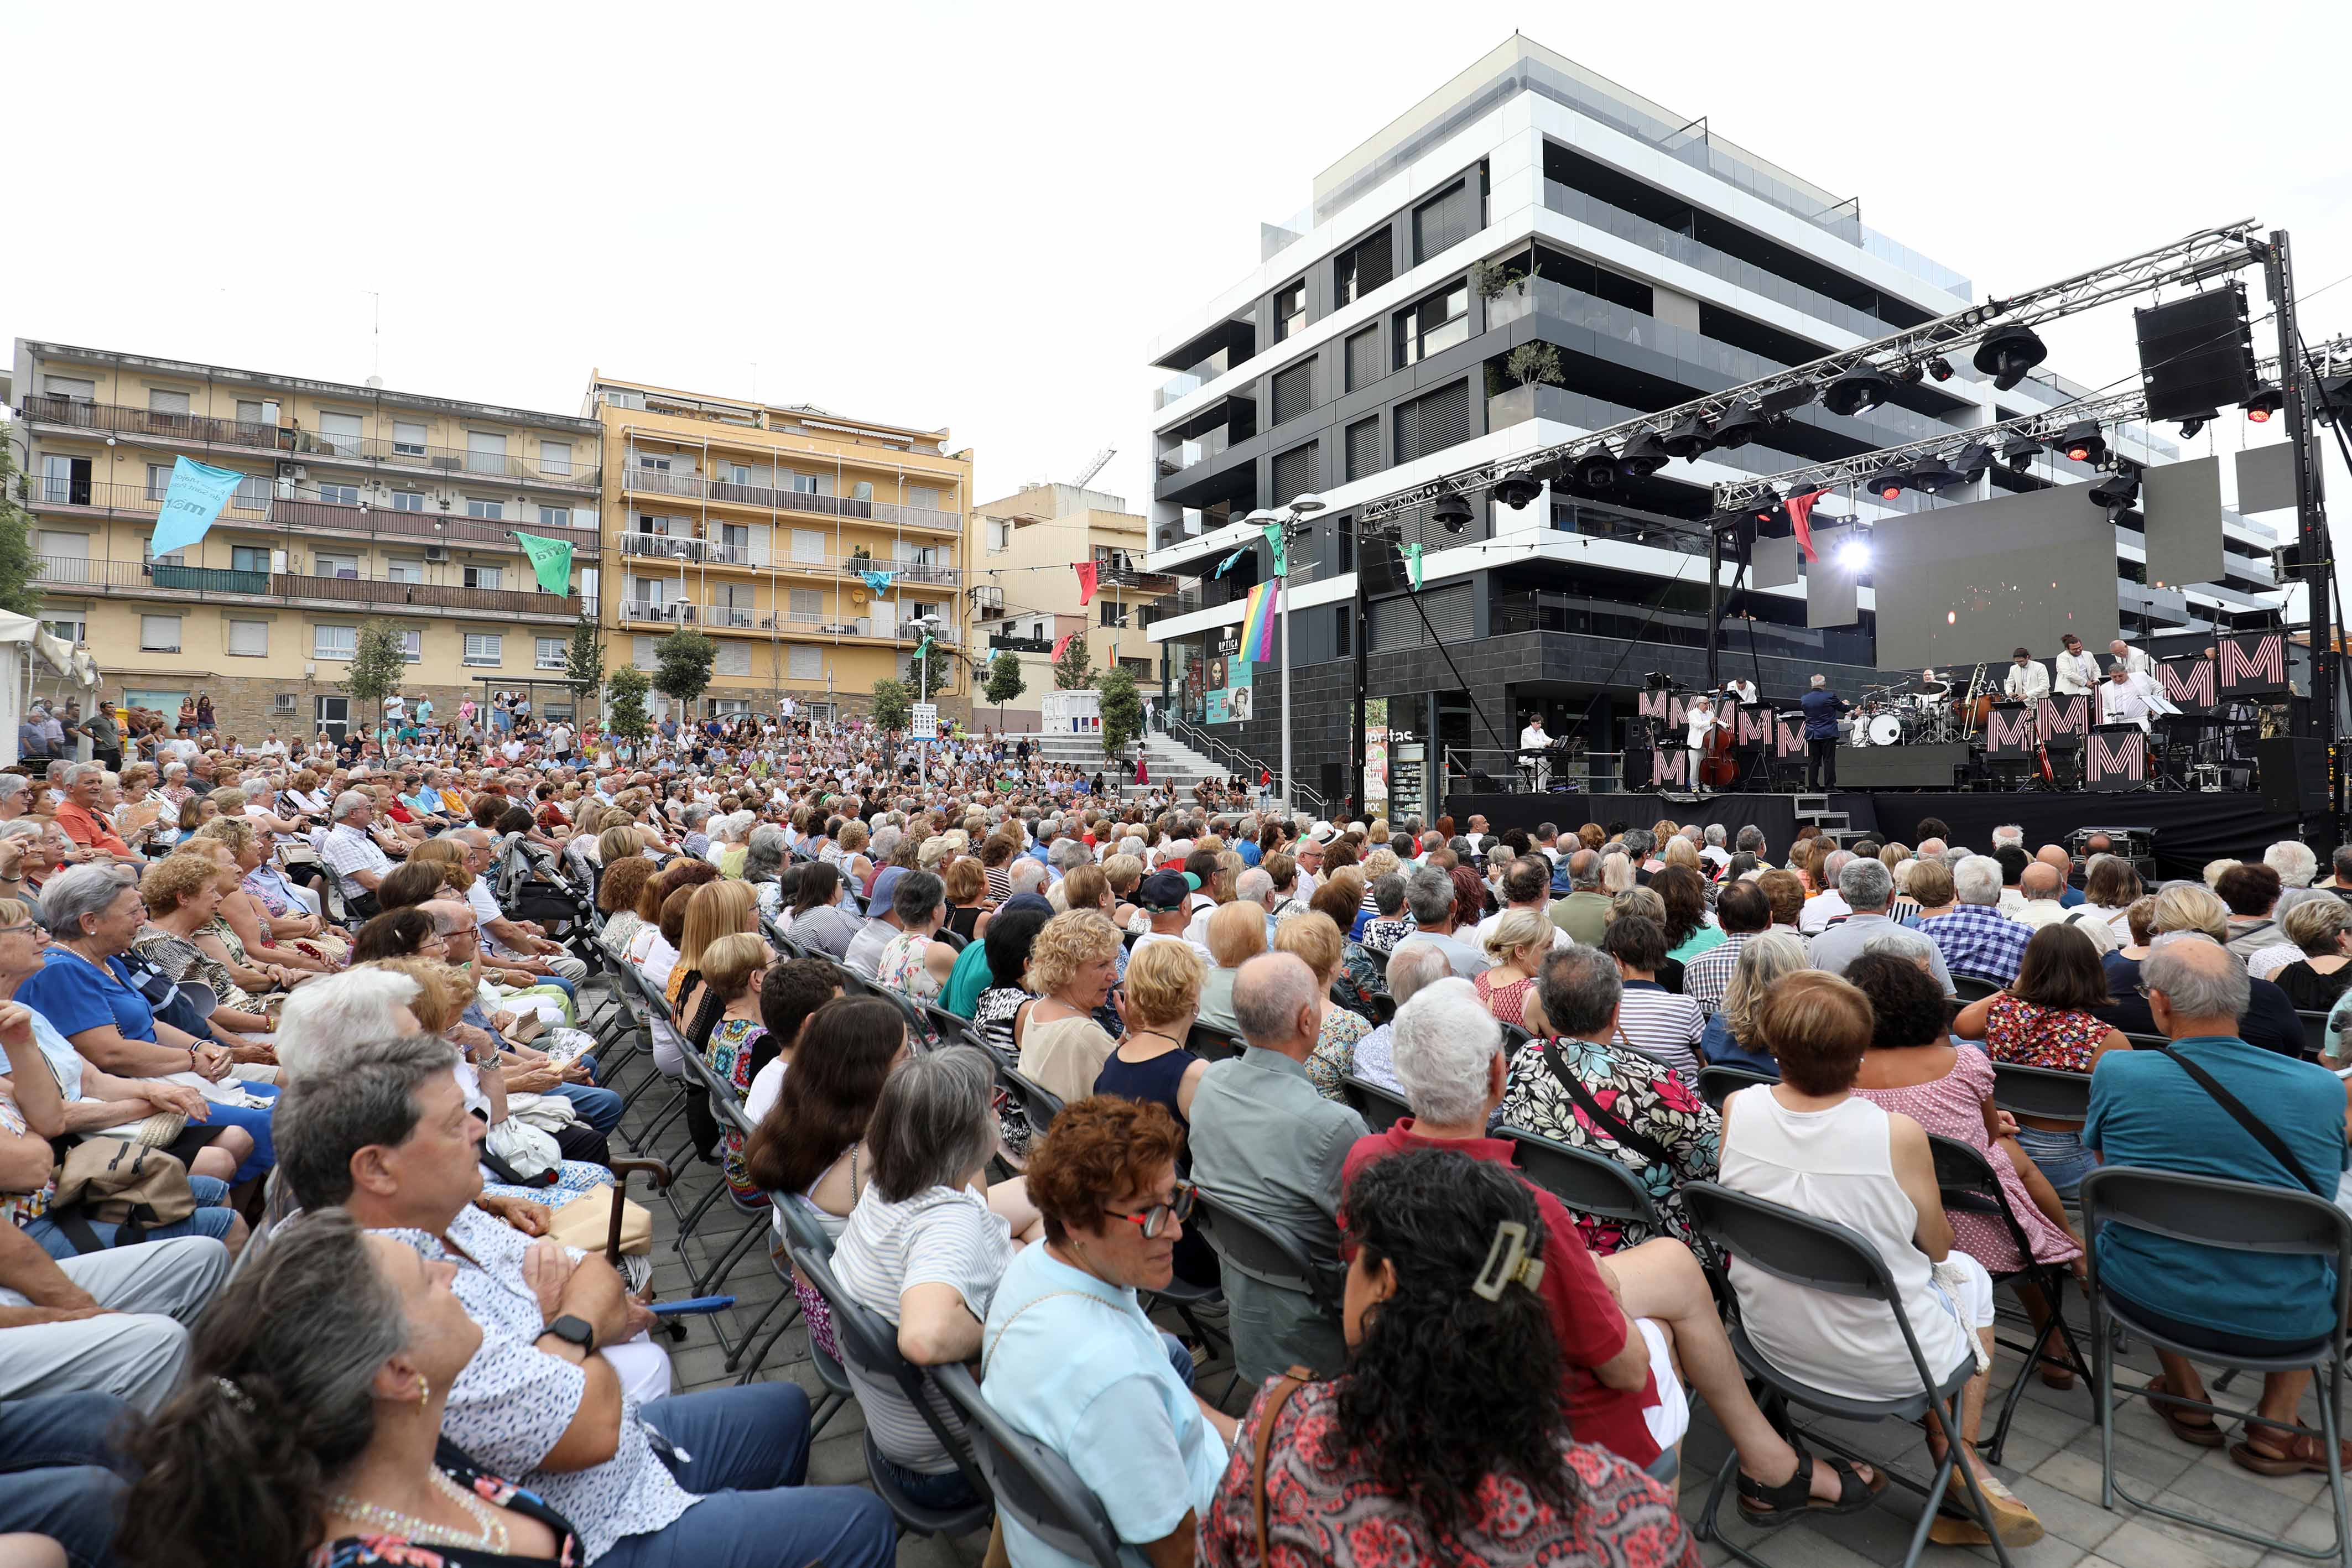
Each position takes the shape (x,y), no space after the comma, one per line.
(292,471)
(437,552)
(1165,536)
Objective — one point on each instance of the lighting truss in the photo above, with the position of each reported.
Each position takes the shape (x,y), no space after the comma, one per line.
(2208,253)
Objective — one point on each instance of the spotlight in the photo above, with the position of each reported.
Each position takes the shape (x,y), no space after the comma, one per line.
(1644,455)
(2118,489)
(1859,388)
(2082,443)
(1973,460)
(2193,424)
(2019,451)
(1940,368)
(2335,398)
(1910,374)
(1740,425)
(1890,482)
(2265,402)
(1515,490)
(1598,471)
(2007,353)
(1853,555)
(1686,440)
(1933,476)
(1767,506)
(1451,512)
(1786,400)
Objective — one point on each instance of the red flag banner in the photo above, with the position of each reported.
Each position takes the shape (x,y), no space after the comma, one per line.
(1087,578)
(1061,644)
(1800,517)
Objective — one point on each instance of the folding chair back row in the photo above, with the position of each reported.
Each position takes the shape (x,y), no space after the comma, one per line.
(1716,1084)
(1251,1247)
(2042,1092)
(1380,1108)
(1584,1182)
(1032,1484)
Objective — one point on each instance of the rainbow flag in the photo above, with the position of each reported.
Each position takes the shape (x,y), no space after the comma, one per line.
(1259,622)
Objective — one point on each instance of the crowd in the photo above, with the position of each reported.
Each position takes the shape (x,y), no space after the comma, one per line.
(305,1141)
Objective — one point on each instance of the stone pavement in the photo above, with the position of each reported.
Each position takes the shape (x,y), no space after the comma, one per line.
(2051,1460)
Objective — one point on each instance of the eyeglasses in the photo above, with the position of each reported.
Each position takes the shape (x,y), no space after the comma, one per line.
(1154,1220)
(39,932)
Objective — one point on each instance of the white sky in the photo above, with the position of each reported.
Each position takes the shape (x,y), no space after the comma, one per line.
(979,215)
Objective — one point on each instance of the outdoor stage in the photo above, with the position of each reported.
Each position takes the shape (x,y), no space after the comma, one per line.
(2191,829)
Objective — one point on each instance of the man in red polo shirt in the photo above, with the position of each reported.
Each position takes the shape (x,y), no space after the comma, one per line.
(1615,1318)
(78,816)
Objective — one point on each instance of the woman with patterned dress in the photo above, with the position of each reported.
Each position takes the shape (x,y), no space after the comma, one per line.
(737,1044)
(1315,939)
(1445,1441)
(1517,945)
(2044,1019)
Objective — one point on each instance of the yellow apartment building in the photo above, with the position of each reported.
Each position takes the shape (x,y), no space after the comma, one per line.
(359,502)
(1023,550)
(755,524)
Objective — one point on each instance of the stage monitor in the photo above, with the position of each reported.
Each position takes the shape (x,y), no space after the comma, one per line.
(1966,585)
(1384,573)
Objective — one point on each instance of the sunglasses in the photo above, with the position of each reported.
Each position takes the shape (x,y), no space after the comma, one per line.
(1154,1220)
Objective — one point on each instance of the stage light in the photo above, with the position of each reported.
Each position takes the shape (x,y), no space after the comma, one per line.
(1451,512)
(1740,425)
(2118,489)
(1644,455)
(1686,440)
(2194,423)
(1933,476)
(1860,389)
(2082,443)
(1786,400)
(2007,353)
(1853,555)
(2335,398)
(1940,368)
(1890,482)
(1973,460)
(1767,506)
(1597,470)
(1911,374)
(1515,490)
(2265,402)
(2019,451)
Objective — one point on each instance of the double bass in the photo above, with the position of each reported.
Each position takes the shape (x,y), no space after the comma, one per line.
(1717,771)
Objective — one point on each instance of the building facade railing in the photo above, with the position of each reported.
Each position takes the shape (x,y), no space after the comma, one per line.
(247,509)
(643,481)
(165,580)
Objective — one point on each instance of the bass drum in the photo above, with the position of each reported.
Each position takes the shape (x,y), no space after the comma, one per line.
(1885,730)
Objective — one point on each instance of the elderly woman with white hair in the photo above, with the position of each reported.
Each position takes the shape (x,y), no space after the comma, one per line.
(1732,1039)
(1412,969)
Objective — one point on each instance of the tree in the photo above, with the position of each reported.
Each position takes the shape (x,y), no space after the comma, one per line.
(894,706)
(379,665)
(1122,710)
(1533,362)
(584,662)
(1074,670)
(941,665)
(625,703)
(682,666)
(1005,682)
(20,571)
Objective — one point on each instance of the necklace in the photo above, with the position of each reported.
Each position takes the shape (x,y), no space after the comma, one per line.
(491,1536)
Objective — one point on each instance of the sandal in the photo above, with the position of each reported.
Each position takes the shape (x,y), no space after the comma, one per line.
(1955,1521)
(2201,1434)
(1795,1497)
(2303,1453)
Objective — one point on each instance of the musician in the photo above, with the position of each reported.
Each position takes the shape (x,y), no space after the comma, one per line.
(2123,700)
(1934,684)
(1701,715)
(2135,661)
(1822,708)
(2078,672)
(1738,691)
(2027,681)
(1532,739)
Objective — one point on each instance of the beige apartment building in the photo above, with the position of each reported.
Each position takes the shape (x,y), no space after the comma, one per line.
(1024,551)
(757,524)
(359,502)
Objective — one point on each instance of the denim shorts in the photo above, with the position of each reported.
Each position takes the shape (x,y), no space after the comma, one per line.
(2061,1156)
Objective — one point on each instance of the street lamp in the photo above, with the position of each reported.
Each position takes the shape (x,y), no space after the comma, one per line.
(1287,518)
(923,626)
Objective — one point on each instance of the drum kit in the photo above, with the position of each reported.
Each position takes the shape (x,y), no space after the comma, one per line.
(1913,713)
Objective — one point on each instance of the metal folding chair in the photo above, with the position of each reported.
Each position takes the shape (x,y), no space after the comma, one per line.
(1032,1484)
(1380,1108)
(806,1243)
(2042,1092)
(1041,1104)
(1716,1084)
(1584,1182)
(1969,988)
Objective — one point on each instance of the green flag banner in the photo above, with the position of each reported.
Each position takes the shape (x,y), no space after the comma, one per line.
(551,558)
(922,648)
(1275,542)
(1412,558)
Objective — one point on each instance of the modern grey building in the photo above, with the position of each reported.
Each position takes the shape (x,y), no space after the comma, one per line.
(1528,253)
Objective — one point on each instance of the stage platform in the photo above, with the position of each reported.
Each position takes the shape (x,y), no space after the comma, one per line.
(2191,829)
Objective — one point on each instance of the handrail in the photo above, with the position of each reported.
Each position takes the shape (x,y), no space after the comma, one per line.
(1218,750)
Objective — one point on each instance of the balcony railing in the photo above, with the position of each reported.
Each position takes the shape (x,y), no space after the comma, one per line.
(1185,382)
(693,486)
(163,579)
(284,441)
(250,511)
(666,546)
(920,574)
(735,618)
(1183,455)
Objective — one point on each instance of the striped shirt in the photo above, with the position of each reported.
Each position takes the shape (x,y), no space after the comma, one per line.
(936,1238)
(1662,1026)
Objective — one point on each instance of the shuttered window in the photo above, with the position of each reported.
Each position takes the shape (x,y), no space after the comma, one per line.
(1433,421)
(1396,624)
(1364,266)
(806,604)
(1294,473)
(1446,219)
(1364,359)
(1364,447)
(734,658)
(1294,391)
(1343,642)
(804,661)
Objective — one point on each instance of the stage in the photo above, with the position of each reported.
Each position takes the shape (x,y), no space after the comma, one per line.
(2191,829)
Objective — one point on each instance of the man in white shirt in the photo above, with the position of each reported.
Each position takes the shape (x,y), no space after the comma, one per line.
(1703,722)
(2135,661)
(2027,681)
(1526,885)
(2077,671)
(1533,739)
(2122,700)
(352,852)
(2041,885)
(1827,905)
(1741,692)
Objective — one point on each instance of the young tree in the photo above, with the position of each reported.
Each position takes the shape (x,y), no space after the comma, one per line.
(682,666)
(625,703)
(1074,670)
(1005,682)
(20,571)
(379,665)
(584,662)
(1122,710)
(894,706)
(941,665)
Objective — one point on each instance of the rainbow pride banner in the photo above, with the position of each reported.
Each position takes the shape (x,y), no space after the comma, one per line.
(1260,621)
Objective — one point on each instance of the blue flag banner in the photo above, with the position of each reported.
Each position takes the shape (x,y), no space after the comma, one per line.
(1412,558)
(1226,564)
(197,493)
(879,581)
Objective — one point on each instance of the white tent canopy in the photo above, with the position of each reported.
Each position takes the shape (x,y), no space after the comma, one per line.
(21,635)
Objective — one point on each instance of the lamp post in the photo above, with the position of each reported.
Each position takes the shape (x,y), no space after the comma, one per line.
(1291,520)
(923,624)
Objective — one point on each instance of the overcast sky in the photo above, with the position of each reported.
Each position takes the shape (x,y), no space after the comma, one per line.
(978,216)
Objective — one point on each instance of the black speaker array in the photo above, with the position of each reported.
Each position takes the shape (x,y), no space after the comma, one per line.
(2197,353)
(2294,775)
(1383,568)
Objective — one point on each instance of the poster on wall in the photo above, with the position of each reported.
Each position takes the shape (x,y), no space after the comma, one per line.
(1376,754)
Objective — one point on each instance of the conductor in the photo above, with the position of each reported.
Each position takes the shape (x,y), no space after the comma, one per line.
(1822,708)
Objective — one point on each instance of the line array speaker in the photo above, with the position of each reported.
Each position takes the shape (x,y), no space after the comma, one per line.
(2197,353)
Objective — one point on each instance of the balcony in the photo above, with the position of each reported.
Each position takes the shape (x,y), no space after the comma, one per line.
(1187,382)
(1183,455)
(163,580)
(290,445)
(664,547)
(249,511)
(643,481)
(733,618)
(1117,569)
(905,573)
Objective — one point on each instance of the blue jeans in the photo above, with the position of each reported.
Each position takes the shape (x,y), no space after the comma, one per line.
(213,1217)
(2061,1156)
(256,1122)
(748,1452)
(600,1108)
(56,1475)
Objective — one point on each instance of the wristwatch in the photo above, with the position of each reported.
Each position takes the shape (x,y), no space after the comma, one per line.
(572,1331)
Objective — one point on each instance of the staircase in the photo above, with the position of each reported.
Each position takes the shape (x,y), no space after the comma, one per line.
(1175,767)
(1834,825)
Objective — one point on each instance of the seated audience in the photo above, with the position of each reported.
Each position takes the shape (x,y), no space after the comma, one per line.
(2047,1017)
(1235,937)
(1868,888)
(1517,941)
(1743,912)
(2316,977)
(1732,1038)
(1653,1020)
(1160,1000)
(2250,890)
(1431,896)
(1316,940)
(1976,938)
(789,997)
(2269,1022)
(1073,966)
(1407,974)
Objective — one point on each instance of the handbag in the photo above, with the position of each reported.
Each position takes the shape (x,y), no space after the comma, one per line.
(521,1153)
(119,1182)
(1288,1384)
(586,1223)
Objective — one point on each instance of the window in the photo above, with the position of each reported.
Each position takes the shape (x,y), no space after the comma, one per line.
(1364,266)
(1448,218)
(728,707)
(653,463)
(735,596)
(341,431)
(409,571)
(77,388)
(548,652)
(254,493)
(1364,448)
(333,715)
(485,452)
(1112,612)
(248,558)
(1364,365)
(282,703)
(335,641)
(412,647)
(641,652)
(148,556)
(924,495)
(248,639)
(257,413)
(407,439)
(812,484)
(1433,421)
(1290,310)
(736,536)
(734,657)
(1343,642)
(805,604)
(408,500)
(1000,537)
(340,495)
(172,403)
(1437,324)
(488,511)
(555,516)
(1293,473)
(483,576)
(554,457)
(1294,390)
(159,480)
(326,565)
(483,648)
(736,473)
(808,545)
(158,633)
(65,481)
(66,628)
(804,661)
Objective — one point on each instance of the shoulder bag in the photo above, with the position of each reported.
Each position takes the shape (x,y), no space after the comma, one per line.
(1288,1384)
(2259,1131)
(1642,1144)
(119,1182)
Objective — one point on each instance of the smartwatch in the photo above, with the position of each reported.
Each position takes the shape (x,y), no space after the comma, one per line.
(572,1331)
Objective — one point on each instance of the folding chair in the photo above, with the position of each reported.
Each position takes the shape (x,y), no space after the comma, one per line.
(806,1243)
(728,1110)
(1584,1182)
(1970,1186)
(1969,988)
(1716,1084)
(1041,1104)
(1380,1108)
(1210,1043)
(2233,1217)
(1033,1485)
(1823,1256)
(2042,1092)
(2315,1033)
(1271,1257)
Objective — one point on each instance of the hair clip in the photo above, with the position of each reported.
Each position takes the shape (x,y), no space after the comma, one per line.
(233,1395)
(1507,1263)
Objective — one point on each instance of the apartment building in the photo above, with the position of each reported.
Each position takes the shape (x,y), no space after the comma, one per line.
(1024,595)
(760,525)
(1632,259)
(359,502)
